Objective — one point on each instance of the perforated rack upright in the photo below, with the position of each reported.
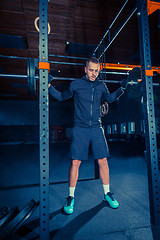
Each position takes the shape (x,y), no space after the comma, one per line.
(149,116)
(43,120)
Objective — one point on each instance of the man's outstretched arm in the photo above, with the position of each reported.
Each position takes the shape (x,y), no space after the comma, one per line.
(60,96)
(111,97)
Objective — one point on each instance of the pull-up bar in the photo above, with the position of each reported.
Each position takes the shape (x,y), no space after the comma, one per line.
(120,29)
(108,30)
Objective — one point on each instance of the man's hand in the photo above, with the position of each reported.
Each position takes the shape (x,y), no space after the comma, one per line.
(124,84)
(50,78)
(134,78)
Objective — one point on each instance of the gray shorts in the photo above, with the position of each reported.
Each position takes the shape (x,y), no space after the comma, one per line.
(82,138)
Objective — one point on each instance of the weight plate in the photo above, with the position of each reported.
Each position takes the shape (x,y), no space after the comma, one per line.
(28,74)
(26,217)
(5,220)
(135,91)
(4,211)
(31,76)
(21,217)
(134,75)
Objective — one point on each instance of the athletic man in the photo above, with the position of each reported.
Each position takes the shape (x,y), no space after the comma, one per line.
(88,93)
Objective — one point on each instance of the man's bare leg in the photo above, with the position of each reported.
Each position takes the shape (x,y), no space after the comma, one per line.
(73,172)
(104,170)
(104,174)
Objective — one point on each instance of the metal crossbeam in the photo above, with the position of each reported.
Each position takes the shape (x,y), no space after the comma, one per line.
(124,67)
(43,121)
(103,66)
(149,116)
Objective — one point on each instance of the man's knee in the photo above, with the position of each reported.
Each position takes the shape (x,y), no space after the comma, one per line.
(102,162)
(76,163)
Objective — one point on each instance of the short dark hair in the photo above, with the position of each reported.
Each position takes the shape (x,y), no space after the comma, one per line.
(93,60)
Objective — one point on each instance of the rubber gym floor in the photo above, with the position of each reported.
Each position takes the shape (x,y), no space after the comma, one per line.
(92,218)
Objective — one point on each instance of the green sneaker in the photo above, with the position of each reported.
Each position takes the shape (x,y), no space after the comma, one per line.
(69,206)
(111,200)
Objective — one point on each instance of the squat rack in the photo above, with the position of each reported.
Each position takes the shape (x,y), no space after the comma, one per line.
(149,115)
(151,143)
(150,133)
(147,73)
(144,8)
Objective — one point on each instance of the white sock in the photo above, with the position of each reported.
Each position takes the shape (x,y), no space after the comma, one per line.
(71,191)
(106,189)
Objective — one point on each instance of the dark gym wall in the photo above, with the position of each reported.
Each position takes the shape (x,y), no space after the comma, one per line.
(19,120)
(61,113)
(26,113)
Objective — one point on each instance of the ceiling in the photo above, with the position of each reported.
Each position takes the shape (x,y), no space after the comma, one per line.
(77,27)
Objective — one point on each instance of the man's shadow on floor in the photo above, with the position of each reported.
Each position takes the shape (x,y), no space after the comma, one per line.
(66,232)
(70,229)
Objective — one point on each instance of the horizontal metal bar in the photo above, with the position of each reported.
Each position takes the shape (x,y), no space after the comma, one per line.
(110,81)
(120,29)
(116,73)
(15,57)
(55,62)
(58,78)
(37,77)
(61,56)
(67,63)
(3,75)
(110,27)
(51,55)
(126,67)
(64,79)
